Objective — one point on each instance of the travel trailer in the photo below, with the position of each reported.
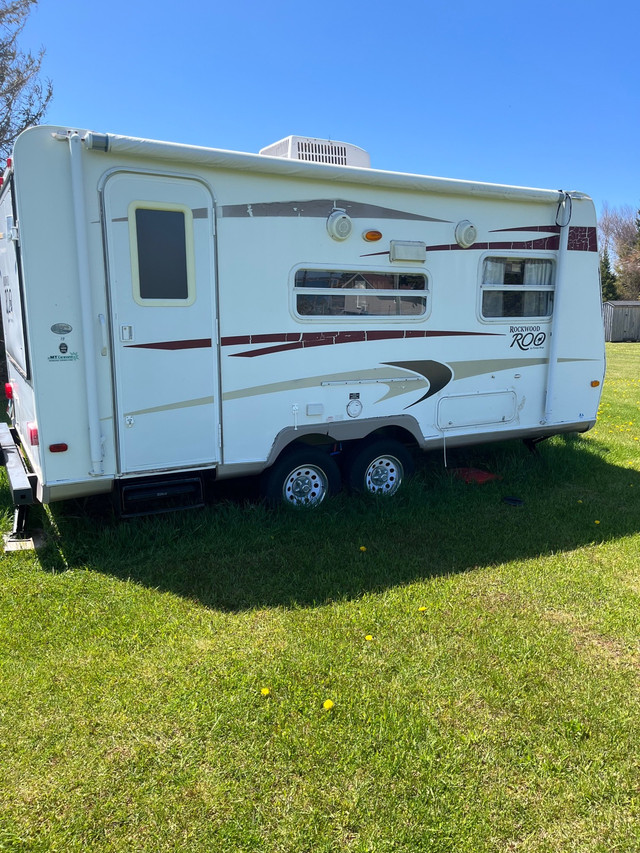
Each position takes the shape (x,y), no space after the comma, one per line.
(174,312)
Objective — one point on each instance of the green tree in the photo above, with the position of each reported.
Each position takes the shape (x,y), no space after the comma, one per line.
(629,263)
(620,236)
(608,279)
(23,96)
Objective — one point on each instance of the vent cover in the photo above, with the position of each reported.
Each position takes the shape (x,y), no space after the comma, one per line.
(322,152)
(318,151)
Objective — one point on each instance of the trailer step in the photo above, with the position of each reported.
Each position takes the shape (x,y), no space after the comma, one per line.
(20,481)
(156,496)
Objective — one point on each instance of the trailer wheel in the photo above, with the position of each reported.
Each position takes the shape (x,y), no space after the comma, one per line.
(380,468)
(301,478)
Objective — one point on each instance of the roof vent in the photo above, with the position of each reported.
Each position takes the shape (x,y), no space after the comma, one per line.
(318,151)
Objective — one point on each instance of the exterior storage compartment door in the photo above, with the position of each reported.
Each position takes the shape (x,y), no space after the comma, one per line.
(161,274)
(466,410)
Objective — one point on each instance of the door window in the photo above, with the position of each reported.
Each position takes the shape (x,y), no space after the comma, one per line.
(162,260)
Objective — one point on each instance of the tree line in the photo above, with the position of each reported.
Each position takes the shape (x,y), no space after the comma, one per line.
(24,97)
(620,253)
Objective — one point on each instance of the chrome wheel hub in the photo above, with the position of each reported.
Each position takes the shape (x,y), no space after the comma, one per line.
(305,486)
(384,475)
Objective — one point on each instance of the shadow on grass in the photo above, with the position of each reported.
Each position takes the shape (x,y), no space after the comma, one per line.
(238,554)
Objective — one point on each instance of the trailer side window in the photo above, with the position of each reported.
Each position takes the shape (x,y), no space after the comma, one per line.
(330,293)
(162,253)
(517,287)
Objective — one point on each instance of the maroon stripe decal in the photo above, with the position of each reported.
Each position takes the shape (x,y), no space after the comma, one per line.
(582,239)
(244,340)
(542,243)
(200,343)
(550,229)
(320,339)
(545,243)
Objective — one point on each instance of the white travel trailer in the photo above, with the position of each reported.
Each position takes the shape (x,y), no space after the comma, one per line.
(173,312)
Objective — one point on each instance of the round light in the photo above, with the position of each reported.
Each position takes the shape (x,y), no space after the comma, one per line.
(372,236)
(466,233)
(339,225)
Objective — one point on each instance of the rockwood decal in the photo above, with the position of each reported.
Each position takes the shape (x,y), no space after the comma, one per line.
(527,337)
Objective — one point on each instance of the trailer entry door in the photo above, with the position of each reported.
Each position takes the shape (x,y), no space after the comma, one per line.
(161,268)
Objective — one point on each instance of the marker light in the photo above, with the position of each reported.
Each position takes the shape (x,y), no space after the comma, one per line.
(8,390)
(9,162)
(594,383)
(32,431)
(61,447)
(372,236)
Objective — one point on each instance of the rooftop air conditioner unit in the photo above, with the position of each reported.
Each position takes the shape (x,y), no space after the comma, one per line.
(318,151)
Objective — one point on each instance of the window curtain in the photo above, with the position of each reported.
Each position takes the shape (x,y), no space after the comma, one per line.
(494,271)
(537,272)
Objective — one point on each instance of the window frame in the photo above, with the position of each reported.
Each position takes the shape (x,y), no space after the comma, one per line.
(358,318)
(169,207)
(518,288)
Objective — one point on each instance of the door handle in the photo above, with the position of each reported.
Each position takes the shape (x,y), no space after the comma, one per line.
(103,332)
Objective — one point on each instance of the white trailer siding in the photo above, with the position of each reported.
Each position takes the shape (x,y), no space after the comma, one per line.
(270,374)
(52,285)
(255,359)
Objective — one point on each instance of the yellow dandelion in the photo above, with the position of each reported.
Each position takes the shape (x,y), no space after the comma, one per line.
(265,691)
(421,609)
(596,522)
(579,502)
(368,637)
(363,548)
(327,704)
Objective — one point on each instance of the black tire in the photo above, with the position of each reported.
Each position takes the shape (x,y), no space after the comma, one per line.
(379,468)
(301,478)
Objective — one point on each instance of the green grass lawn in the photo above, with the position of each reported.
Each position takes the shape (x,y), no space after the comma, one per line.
(163,680)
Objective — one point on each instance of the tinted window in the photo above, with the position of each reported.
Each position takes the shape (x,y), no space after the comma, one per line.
(162,254)
(341,293)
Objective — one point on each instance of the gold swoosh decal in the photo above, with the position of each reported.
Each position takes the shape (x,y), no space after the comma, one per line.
(184,404)
(392,377)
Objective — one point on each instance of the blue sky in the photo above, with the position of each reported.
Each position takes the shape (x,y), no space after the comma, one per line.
(533,94)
